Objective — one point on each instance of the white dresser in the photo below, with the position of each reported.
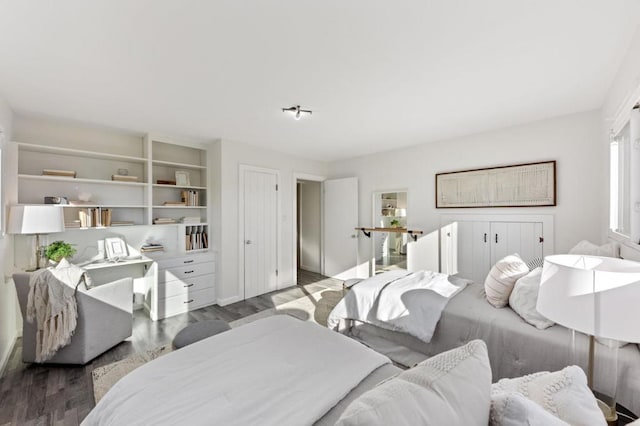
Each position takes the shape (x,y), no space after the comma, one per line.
(183,284)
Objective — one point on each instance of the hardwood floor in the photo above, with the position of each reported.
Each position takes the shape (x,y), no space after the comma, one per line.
(32,394)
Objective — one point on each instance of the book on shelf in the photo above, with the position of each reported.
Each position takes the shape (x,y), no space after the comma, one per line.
(190,219)
(151,247)
(190,197)
(72,224)
(196,238)
(165,182)
(53,172)
(174,203)
(124,178)
(163,220)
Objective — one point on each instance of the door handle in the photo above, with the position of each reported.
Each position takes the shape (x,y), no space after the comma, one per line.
(496,238)
(247,242)
(485,237)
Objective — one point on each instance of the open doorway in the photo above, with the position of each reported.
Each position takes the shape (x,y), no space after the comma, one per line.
(309,226)
(390,248)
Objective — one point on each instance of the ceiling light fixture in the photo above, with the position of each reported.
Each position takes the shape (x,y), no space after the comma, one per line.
(297,112)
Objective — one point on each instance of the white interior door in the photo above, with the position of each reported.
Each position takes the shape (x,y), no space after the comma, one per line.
(260,232)
(473,250)
(340,221)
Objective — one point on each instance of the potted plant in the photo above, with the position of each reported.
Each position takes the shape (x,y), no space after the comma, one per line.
(395,223)
(58,250)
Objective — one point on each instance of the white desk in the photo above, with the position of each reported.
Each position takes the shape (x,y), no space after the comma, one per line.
(138,269)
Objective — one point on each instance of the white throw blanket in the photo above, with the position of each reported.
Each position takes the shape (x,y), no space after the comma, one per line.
(274,371)
(398,300)
(53,305)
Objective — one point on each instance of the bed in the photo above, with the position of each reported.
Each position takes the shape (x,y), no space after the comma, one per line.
(274,371)
(515,347)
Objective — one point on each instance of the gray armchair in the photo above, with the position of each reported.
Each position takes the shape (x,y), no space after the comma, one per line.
(105,318)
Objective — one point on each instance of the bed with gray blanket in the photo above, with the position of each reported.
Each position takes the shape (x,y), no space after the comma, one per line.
(515,347)
(274,371)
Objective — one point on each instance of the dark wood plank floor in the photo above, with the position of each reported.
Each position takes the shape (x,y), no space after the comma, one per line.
(63,395)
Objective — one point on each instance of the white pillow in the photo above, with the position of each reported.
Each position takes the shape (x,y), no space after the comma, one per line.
(502,278)
(514,409)
(524,297)
(588,248)
(564,394)
(450,388)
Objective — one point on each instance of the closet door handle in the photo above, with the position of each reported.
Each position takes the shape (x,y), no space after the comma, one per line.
(188,285)
(496,238)
(188,261)
(191,272)
(189,301)
(485,237)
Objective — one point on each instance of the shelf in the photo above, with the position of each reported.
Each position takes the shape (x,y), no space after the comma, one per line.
(104,206)
(159,185)
(80,180)
(101,227)
(412,232)
(78,153)
(179,207)
(178,165)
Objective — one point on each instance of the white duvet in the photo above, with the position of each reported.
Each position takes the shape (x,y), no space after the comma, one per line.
(274,371)
(399,300)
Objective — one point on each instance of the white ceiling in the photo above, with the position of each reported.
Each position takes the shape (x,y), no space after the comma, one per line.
(378,74)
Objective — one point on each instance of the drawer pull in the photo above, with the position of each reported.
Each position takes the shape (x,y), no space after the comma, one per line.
(188,261)
(189,301)
(189,272)
(188,285)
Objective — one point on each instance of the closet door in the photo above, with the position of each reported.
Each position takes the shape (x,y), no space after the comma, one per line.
(524,238)
(473,250)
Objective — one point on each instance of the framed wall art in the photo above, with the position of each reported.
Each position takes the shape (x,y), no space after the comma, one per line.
(519,185)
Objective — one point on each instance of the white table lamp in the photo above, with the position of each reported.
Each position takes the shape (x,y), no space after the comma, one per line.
(35,220)
(597,296)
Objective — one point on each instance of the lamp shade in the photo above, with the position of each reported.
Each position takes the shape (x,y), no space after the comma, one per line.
(599,296)
(35,219)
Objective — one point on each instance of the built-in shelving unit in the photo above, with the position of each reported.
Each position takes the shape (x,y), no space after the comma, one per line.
(133,203)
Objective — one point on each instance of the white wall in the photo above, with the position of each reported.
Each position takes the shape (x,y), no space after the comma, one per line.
(232,155)
(310,216)
(574,141)
(8,301)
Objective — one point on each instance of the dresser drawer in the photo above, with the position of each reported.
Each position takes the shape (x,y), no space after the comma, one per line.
(187,271)
(185,286)
(186,302)
(185,260)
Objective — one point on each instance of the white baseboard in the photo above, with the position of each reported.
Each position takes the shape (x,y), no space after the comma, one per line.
(228,300)
(5,356)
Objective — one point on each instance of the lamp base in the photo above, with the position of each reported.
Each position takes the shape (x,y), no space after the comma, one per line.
(610,414)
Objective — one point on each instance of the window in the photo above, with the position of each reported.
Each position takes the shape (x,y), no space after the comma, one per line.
(620,180)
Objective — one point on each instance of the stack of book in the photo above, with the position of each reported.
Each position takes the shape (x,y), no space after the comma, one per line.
(64,173)
(190,198)
(151,247)
(124,178)
(165,182)
(163,220)
(72,224)
(190,219)
(174,203)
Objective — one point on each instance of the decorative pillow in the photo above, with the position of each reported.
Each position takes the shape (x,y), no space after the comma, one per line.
(524,297)
(514,409)
(502,278)
(450,388)
(564,394)
(536,262)
(588,248)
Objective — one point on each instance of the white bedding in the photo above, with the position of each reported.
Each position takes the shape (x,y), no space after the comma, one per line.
(273,371)
(399,300)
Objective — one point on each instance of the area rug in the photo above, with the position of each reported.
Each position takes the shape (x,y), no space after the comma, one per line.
(313,307)
(106,376)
